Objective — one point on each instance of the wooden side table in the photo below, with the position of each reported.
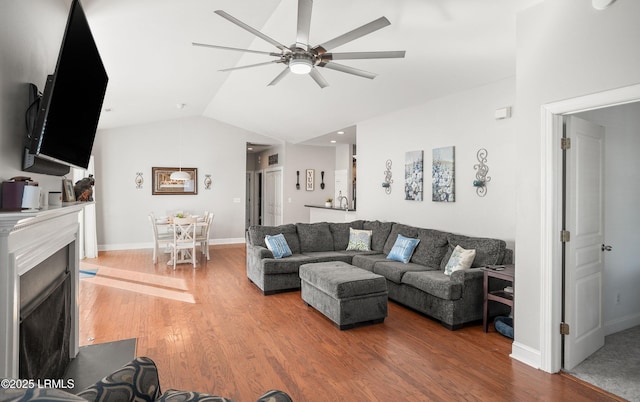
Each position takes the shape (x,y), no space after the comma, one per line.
(500,296)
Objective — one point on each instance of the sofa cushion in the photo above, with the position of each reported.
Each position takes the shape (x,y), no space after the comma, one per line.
(277,244)
(460,259)
(289,265)
(435,283)
(432,248)
(395,270)
(315,237)
(340,232)
(488,251)
(380,233)
(367,261)
(403,248)
(359,240)
(322,256)
(258,233)
(398,229)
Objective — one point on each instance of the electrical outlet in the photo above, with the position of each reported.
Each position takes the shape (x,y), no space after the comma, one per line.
(618,297)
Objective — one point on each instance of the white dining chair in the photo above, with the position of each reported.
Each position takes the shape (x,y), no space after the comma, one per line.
(160,239)
(183,246)
(203,235)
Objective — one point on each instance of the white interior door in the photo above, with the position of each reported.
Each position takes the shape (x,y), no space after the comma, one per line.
(584,257)
(273,198)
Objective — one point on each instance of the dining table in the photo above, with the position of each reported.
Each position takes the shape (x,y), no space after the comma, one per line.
(165,224)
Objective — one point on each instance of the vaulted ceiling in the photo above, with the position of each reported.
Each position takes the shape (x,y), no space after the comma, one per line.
(451,45)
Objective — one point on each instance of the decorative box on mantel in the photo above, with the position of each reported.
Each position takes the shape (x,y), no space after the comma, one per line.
(40,249)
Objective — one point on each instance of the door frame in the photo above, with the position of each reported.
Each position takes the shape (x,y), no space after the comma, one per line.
(551,213)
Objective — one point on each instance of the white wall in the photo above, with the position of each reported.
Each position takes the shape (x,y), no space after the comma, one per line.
(213,147)
(300,158)
(622,218)
(30,38)
(565,49)
(464,120)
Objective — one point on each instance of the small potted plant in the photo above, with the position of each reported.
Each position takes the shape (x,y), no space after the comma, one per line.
(328,203)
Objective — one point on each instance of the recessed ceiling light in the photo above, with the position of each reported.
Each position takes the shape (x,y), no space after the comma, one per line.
(340,132)
(333,141)
(250,148)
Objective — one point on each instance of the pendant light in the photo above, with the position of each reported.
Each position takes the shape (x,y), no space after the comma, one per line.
(180,175)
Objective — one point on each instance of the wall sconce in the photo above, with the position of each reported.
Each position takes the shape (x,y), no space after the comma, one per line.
(207,182)
(386,184)
(139,180)
(480,183)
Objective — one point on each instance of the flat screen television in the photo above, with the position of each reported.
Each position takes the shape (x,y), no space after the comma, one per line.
(69,109)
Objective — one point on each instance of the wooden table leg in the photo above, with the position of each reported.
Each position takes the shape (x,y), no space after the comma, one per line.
(485,306)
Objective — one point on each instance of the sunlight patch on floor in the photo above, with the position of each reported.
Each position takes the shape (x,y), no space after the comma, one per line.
(143,283)
(133,276)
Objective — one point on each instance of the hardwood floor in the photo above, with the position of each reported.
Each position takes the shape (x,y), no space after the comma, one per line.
(209,329)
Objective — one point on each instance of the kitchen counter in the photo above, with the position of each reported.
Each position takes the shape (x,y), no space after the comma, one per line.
(320,213)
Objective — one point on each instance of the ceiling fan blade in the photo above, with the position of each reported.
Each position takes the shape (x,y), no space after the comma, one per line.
(251,65)
(318,78)
(352,35)
(235,48)
(348,70)
(304,23)
(250,29)
(279,77)
(394,54)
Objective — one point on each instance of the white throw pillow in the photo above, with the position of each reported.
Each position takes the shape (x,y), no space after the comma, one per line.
(460,259)
(359,240)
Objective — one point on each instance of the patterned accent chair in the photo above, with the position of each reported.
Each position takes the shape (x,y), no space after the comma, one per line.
(136,381)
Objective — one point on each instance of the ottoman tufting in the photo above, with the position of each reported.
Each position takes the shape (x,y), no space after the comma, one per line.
(349,296)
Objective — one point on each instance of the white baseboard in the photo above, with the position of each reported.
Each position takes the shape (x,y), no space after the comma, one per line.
(526,355)
(622,323)
(139,246)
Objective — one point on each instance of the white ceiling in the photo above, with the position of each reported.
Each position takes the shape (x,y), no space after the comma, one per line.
(146,46)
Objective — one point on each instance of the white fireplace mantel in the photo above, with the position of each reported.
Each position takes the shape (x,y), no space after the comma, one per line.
(26,239)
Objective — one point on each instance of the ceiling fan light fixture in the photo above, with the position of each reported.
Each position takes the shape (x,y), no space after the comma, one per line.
(300,65)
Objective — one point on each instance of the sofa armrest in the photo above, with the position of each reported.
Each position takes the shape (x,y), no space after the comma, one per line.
(136,381)
(259,252)
(466,275)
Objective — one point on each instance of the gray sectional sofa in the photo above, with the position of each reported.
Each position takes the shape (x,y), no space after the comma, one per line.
(419,284)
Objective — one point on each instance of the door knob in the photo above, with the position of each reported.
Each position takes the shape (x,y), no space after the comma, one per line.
(606,248)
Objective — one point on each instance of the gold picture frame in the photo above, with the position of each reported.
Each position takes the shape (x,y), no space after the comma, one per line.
(68,193)
(161,183)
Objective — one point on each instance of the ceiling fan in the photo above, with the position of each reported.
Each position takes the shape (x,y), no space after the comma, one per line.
(301,58)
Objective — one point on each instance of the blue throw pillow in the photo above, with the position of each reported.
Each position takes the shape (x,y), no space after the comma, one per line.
(278,245)
(403,249)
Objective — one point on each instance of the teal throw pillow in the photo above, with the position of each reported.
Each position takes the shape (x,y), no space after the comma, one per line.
(278,245)
(359,240)
(403,249)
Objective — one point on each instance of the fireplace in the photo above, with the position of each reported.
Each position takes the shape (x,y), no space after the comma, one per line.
(38,292)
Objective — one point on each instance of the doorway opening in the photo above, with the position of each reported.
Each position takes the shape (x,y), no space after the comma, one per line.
(552,196)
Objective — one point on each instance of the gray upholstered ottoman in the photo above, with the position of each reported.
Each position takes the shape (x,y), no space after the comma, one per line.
(347,295)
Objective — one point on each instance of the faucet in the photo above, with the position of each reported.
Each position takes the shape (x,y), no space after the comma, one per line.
(343,198)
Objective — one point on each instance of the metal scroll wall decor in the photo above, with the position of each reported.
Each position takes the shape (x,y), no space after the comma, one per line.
(139,180)
(207,182)
(480,183)
(386,184)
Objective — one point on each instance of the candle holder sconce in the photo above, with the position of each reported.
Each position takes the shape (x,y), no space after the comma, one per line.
(480,183)
(386,184)
(139,180)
